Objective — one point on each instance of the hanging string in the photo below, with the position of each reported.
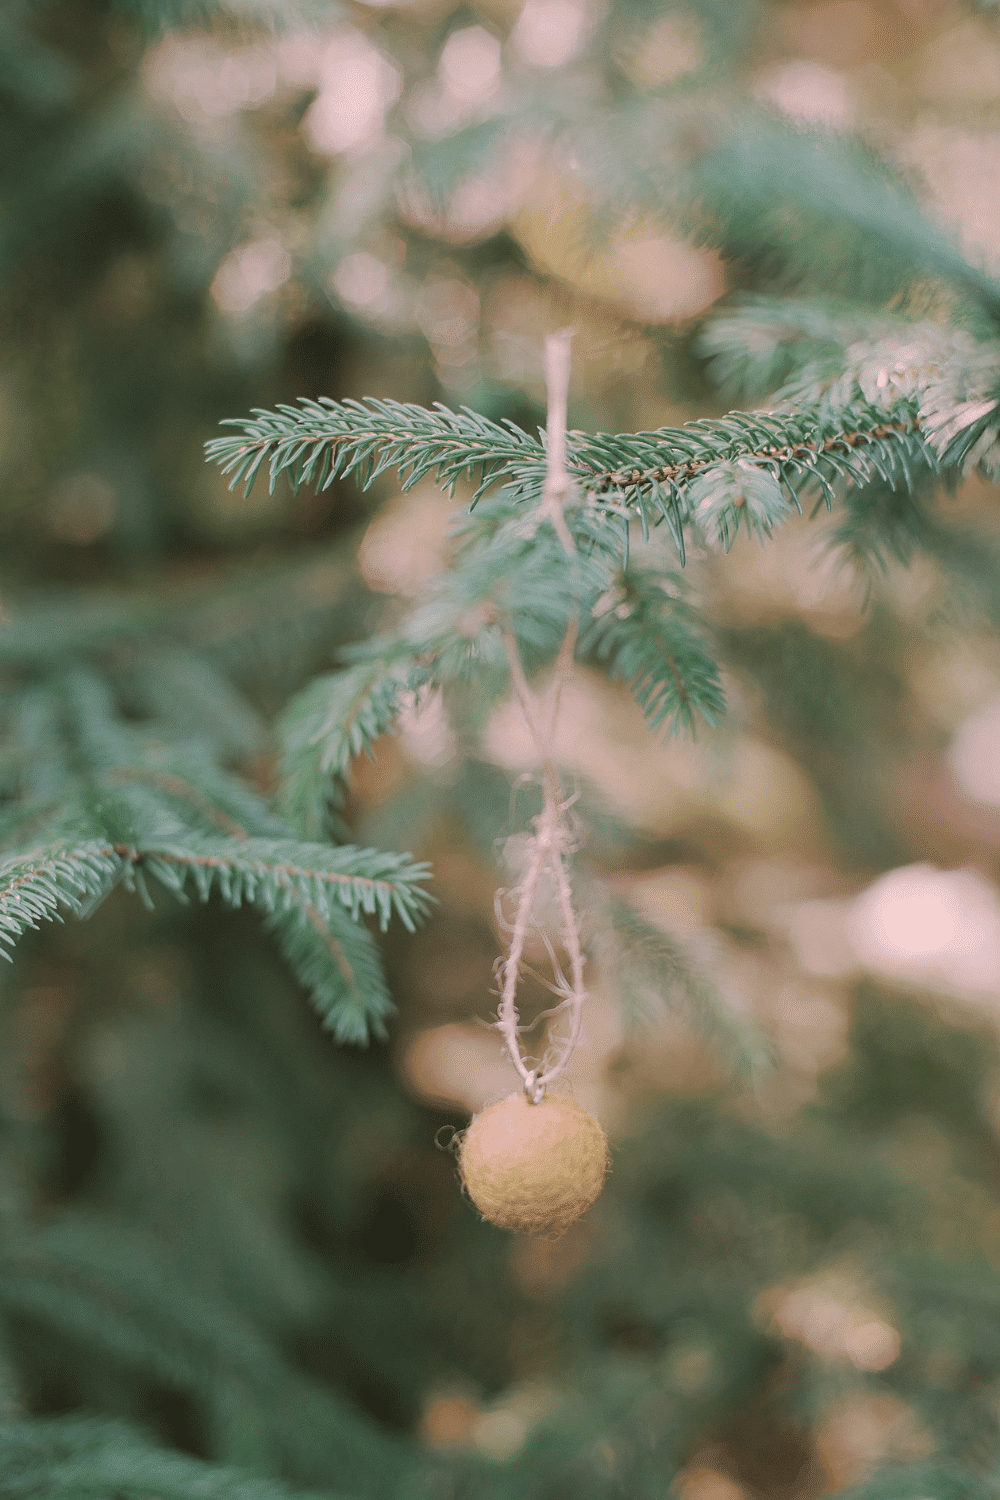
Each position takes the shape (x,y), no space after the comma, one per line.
(551,841)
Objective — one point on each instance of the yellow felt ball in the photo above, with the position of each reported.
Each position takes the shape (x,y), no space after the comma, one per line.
(533,1167)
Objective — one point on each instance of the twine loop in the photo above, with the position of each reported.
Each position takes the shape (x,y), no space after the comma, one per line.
(550,843)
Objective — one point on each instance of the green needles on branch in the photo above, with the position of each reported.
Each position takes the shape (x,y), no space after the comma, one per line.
(108,800)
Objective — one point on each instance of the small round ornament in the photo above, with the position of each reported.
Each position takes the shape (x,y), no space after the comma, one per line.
(533,1167)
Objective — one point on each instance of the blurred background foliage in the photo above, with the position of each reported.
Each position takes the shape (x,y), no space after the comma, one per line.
(244,1242)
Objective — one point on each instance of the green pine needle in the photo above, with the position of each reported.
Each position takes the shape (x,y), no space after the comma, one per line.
(646,636)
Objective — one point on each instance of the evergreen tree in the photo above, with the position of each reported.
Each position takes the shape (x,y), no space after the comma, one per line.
(614,759)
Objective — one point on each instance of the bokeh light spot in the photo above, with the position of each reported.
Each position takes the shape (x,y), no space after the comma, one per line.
(358,84)
(549,32)
(249,272)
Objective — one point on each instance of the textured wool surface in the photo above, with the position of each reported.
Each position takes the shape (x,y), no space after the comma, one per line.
(533,1167)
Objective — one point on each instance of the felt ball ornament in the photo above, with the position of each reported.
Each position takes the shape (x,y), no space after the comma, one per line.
(533,1167)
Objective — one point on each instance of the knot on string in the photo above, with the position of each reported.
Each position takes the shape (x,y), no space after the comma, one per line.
(534,1089)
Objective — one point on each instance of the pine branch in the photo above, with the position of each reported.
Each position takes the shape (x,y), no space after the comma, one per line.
(206,799)
(659,476)
(831,360)
(111,1290)
(336,960)
(512,573)
(37,887)
(183,691)
(94,1458)
(754,347)
(133,808)
(656,974)
(742,461)
(646,636)
(797,199)
(324,440)
(337,717)
(279,876)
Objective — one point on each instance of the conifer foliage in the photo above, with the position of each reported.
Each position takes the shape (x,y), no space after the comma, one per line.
(130,808)
(232,1263)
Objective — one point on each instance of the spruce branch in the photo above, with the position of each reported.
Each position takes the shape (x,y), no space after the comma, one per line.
(657,973)
(323,440)
(181,688)
(337,717)
(330,951)
(644,633)
(830,360)
(72,1457)
(136,807)
(770,191)
(114,1290)
(649,475)
(39,886)
(513,570)
(741,462)
(39,767)
(757,345)
(336,960)
(188,782)
(880,521)
(280,876)
(35,822)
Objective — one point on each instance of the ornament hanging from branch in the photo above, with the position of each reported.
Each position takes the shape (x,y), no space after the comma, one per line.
(536,1161)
